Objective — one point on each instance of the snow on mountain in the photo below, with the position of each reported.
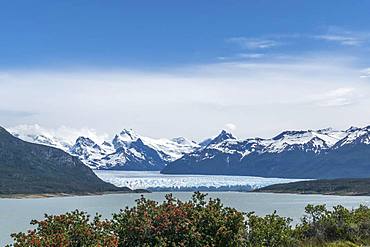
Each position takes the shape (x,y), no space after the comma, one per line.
(39,135)
(169,150)
(90,152)
(324,153)
(355,135)
(309,140)
(130,151)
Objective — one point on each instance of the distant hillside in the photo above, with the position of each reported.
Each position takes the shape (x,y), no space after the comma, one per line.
(28,168)
(357,186)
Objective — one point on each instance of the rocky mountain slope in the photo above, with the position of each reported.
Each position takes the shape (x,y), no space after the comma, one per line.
(28,168)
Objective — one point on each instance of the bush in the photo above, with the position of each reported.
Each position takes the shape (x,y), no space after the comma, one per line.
(68,230)
(271,230)
(340,224)
(174,223)
(199,223)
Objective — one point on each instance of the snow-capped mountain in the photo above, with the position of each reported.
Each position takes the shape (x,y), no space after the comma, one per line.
(308,141)
(294,154)
(135,152)
(355,136)
(38,135)
(127,150)
(90,152)
(169,150)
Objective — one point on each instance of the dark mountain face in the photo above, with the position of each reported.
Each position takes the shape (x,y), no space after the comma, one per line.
(27,168)
(224,135)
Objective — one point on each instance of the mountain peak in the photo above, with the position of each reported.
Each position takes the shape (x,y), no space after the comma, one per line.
(224,135)
(128,135)
(352,129)
(85,141)
(289,133)
(182,141)
(325,130)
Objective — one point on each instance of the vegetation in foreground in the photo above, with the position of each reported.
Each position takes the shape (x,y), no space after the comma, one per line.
(199,222)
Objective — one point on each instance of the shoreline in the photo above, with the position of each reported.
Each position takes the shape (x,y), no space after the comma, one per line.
(55,195)
(143,191)
(309,193)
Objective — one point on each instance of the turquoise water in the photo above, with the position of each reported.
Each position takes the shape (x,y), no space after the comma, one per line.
(17,213)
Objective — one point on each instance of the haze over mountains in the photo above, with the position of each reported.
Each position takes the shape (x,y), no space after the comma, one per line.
(324,153)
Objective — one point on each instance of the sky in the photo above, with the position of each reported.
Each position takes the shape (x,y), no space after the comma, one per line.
(185,68)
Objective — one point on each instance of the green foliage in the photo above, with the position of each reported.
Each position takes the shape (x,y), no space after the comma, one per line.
(200,222)
(323,225)
(271,230)
(175,223)
(68,230)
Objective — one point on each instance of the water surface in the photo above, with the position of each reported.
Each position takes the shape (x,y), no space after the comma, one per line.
(17,213)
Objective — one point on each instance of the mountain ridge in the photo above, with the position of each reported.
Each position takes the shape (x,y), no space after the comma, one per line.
(29,168)
(310,149)
(324,153)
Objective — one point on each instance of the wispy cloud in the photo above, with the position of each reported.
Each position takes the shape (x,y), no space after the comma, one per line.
(365,73)
(67,134)
(259,96)
(230,126)
(344,37)
(242,56)
(16,113)
(337,97)
(341,39)
(254,43)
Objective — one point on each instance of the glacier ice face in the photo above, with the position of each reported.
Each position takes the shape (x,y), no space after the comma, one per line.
(154,181)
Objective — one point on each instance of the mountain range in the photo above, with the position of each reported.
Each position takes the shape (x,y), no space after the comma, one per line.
(324,153)
(29,168)
(126,151)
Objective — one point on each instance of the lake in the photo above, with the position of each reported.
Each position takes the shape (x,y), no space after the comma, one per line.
(17,213)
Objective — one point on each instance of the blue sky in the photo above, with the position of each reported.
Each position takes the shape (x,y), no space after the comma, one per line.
(169,68)
(166,33)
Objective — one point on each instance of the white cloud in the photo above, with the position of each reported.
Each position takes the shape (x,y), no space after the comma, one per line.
(344,37)
(261,98)
(254,43)
(365,73)
(251,55)
(64,133)
(337,97)
(230,126)
(341,39)
(241,56)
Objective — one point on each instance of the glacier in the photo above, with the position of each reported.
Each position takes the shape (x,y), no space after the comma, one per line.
(154,181)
